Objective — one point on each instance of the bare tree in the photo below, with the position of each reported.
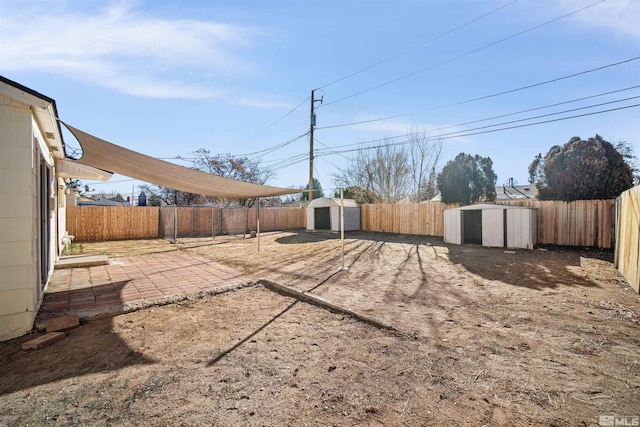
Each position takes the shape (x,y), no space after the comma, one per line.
(226,165)
(424,155)
(229,166)
(386,172)
(381,170)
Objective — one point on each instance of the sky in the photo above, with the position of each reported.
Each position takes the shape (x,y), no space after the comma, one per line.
(166,78)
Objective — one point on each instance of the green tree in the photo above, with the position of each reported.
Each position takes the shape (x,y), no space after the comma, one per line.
(582,170)
(467,179)
(317,191)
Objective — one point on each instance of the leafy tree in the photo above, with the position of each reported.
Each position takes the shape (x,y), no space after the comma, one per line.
(317,191)
(467,179)
(582,170)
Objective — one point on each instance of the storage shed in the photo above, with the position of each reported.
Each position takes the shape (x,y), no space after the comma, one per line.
(492,226)
(324,214)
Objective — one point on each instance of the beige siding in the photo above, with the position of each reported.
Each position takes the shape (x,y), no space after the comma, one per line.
(18,275)
(628,238)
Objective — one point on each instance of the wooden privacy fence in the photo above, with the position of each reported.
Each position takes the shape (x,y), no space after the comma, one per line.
(193,221)
(424,219)
(103,223)
(628,236)
(579,223)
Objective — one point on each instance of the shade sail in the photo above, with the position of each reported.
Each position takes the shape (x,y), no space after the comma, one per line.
(104,155)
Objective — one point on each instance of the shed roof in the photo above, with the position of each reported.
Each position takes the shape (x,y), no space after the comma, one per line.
(324,202)
(484,206)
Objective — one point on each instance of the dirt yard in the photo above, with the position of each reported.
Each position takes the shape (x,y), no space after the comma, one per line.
(532,338)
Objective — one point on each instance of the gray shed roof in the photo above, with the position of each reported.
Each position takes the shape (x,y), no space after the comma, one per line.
(324,202)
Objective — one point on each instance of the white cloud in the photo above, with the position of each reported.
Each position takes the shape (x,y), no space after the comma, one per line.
(398,127)
(620,17)
(128,51)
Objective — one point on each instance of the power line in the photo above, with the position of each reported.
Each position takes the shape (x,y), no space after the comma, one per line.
(382,61)
(546,115)
(540,108)
(276,147)
(463,54)
(330,149)
(500,93)
(462,134)
(274,122)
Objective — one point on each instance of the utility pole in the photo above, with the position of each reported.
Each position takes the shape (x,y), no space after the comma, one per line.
(311,127)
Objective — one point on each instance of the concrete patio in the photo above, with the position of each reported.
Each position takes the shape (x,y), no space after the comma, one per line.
(128,283)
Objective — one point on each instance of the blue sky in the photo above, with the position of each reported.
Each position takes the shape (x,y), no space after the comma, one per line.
(167,78)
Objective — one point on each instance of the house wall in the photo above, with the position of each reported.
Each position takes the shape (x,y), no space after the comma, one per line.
(20,290)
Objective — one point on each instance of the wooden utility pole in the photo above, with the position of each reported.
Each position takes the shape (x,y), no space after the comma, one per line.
(311,126)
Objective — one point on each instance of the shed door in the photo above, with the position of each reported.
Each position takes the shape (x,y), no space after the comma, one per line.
(453,226)
(322,219)
(472,226)
(493,228)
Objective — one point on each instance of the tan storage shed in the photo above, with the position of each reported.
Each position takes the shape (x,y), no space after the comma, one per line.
(492,226)
(324,214)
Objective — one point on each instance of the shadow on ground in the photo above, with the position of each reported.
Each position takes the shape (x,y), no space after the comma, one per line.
(71,357)
(540,268)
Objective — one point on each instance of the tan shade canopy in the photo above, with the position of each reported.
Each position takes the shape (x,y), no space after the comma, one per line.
(104,155)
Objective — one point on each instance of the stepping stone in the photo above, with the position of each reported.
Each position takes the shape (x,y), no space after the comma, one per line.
(63,323)
(43,341)
(81,261)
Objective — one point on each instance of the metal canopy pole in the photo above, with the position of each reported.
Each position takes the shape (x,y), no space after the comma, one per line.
(175,224)
(258,224)
(342,224)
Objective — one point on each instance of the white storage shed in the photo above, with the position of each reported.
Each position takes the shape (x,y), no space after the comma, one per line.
(492,226)
(324,214)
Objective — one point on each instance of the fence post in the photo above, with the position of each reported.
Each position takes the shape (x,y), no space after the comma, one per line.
(213,224)
(244,231)
(175,224)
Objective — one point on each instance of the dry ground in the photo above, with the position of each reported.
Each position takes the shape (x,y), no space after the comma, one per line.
(543,338)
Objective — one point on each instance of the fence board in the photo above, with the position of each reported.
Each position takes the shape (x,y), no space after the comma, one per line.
(628,237)
(425,219)
(101,223)
(580,223)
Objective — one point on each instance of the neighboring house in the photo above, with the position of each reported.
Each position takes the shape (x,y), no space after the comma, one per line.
(33,177)
(508,192)
(102,200)
(516,192)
